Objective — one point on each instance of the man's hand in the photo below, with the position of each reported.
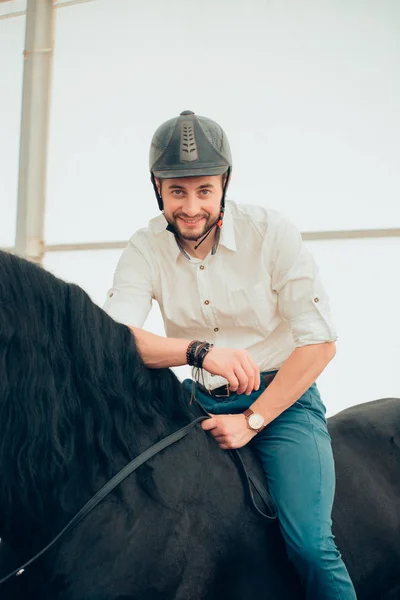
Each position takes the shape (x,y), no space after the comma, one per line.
(237,366)
(230,431)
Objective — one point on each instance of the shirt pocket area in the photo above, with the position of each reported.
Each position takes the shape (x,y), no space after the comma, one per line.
(253,306)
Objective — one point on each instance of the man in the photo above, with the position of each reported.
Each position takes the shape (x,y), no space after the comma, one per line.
(237,283)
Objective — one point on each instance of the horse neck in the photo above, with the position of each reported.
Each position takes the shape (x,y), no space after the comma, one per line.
(47,494)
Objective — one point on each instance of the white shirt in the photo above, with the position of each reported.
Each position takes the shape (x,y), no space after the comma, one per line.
(260,290)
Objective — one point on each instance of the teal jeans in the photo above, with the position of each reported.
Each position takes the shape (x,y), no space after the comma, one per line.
(296,454)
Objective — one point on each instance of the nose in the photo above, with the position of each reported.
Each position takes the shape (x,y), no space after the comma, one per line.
(191,207)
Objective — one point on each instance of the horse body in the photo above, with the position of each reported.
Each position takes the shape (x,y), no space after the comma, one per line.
(77,404)
(192,536)
(366,512)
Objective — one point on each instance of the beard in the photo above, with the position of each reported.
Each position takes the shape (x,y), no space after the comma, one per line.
(192,234)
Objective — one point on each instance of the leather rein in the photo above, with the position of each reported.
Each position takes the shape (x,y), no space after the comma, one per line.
(107,488)
(124,473)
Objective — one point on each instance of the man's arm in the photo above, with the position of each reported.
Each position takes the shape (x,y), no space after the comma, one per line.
(304,304)
(129,300)
(295,376)
(159,352)
(236,365)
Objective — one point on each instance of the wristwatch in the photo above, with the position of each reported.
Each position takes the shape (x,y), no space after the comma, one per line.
(255,421)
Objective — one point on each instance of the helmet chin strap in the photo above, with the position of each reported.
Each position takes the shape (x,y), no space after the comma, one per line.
(217,224)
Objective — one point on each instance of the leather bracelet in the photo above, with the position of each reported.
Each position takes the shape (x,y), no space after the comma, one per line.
(196,351)
(192,351)
(201,354)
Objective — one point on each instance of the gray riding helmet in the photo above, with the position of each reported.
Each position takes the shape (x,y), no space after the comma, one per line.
(189,146)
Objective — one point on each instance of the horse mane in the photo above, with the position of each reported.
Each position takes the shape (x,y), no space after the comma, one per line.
(75,396)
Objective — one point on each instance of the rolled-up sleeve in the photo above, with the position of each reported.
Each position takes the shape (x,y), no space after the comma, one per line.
(302,300)
(130,299)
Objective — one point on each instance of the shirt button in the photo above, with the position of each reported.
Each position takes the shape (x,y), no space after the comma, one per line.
(212,374)
(111,295)
(206,302)
(202,267)
(316,299)
(216,329)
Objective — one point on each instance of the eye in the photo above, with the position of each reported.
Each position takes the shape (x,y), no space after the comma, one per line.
(177,192)
(205,193)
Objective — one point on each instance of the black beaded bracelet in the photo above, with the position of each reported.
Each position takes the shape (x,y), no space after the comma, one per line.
(188,350)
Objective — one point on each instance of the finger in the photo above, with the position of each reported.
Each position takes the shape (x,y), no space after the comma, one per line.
(257,377)
(251,377)
(221,439)
(209,424)
(242,378)
(232,381)
(228,446)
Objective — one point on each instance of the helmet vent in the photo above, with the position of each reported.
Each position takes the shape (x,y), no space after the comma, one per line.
(188,150)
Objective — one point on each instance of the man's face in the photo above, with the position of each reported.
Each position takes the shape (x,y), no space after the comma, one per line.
(192,204)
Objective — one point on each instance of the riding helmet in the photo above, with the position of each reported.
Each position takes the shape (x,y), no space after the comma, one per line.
(189,146)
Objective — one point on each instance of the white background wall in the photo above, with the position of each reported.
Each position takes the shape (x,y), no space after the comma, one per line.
(309,93)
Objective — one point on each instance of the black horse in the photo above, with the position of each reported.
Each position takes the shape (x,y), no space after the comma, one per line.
(77,404)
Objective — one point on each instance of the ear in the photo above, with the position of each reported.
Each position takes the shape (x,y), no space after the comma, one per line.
(158,184)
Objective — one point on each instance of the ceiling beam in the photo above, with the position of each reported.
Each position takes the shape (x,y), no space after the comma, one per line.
(349,234)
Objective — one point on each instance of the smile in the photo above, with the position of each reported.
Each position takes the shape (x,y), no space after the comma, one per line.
(191,221)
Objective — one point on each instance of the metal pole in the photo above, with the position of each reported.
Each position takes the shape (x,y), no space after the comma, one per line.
(38,56)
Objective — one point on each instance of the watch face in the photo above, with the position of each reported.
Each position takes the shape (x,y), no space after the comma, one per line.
(256,421)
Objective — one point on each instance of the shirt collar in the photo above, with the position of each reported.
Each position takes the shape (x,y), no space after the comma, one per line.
(227,237)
